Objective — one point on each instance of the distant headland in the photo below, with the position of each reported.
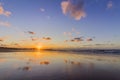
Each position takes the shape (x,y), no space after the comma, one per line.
(7,49)
(101,51)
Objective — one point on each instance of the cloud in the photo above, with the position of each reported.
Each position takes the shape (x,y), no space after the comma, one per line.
(47,38)
(48,17)
(4,12)
(89,39)
(74,36)
(3,45)
(71,33)
(75,31)
(104,44)
(34,38)
(66,40)
(78,39)
(74,8)
(16,44)
(42,9)
(1,39)
(31,32)
(6,24)
(67,33)
(100,44)
(109,4)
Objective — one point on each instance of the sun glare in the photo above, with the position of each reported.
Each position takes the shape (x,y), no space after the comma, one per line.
(38,47)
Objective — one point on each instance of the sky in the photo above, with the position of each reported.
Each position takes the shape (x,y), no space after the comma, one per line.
(60,23)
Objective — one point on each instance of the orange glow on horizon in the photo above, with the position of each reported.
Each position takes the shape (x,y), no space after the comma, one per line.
(38,47)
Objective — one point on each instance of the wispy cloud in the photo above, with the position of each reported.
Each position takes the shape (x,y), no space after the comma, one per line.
(42,9)
(3,45)
(108,44)
(34,38)
(47,38)
(75,8)
(66,40)
(109,4)
(1,39)
(48,17)
(4,38)
(4,12)
(71,34)
(89,39)
(78,39)
(15,44)
(6,24)
(75,31)
(67,33)
(31,32)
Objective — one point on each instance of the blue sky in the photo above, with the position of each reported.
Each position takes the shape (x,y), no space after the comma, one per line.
(72,23)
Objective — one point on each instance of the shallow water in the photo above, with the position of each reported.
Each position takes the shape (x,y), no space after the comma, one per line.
(53,65)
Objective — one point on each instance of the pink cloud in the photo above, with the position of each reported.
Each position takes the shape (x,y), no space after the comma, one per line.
(6,24)
(4,12)
(110,5)
(74,10)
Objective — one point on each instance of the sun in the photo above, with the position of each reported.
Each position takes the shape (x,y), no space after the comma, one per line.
(38,47)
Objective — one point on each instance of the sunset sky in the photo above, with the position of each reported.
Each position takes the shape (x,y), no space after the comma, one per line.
(60,23)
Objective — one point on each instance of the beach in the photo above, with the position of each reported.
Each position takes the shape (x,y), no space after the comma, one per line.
(57,65)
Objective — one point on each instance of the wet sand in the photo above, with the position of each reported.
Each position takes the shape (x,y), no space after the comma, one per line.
(50,65)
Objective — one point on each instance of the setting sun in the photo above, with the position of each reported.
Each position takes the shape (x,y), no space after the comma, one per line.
(38,47)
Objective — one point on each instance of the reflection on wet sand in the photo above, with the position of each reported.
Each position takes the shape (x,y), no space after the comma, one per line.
(2,60)
(58,66)
(25,68)
(71,62)
(45,62)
